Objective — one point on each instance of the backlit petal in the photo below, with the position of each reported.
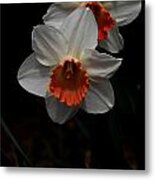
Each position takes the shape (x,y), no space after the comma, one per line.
(49,45)
(100,97)
(57,12)
(33,77)
(124,12)
(58,111)
(100,65)
(114,43)
(80,28)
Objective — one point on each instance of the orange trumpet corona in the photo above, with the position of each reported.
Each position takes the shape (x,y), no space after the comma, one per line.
(103,18)
(69,81)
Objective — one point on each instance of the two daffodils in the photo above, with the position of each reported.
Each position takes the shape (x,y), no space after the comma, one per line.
(65,68)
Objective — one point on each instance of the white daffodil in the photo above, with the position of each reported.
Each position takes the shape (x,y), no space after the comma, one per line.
(66,69)
(109,16)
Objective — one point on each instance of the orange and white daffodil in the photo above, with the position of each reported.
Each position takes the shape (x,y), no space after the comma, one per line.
(109,16)
(66,69)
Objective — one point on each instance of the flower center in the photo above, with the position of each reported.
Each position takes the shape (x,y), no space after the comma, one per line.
(103,18)
(69,81)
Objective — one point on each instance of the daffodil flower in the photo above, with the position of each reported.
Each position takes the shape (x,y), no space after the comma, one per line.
(66,69)
(109,16)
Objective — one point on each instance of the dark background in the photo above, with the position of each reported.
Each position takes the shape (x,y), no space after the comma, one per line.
(115,140)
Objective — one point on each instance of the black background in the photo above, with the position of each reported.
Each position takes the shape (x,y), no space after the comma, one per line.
(115,140)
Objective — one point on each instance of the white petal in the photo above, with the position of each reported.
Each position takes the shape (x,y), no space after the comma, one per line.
(81,30)
(124,12)
(100,97)
(114,43)
(57,12)
(100,65)
(58,111)
(33,77)
(49,45)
